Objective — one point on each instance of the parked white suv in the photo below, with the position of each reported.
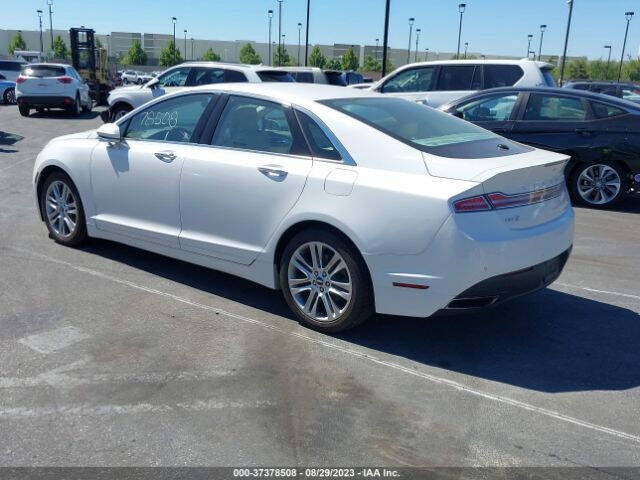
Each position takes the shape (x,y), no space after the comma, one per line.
(123,100)
(440,82)
(10,69)
(129,76)
(51,85)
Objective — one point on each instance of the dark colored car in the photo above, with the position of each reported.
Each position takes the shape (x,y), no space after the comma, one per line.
(626,91)
(600,133)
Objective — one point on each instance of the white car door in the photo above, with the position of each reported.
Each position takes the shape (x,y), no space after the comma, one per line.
(234,193)
(136,182)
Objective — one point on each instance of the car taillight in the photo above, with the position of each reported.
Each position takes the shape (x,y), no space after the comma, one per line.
(498,201)
(20,79)
(472,204)
(64,79)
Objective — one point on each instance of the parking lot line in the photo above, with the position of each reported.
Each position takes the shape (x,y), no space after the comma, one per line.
(607,292)
(355,353)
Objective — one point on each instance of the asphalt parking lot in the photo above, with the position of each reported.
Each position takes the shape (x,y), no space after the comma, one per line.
(113,356)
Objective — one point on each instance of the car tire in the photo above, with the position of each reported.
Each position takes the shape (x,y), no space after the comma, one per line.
(76,109)
(598,184)
(119,112)
(337,294)
(9,96)
(24,110)
(62,210)
(87,108)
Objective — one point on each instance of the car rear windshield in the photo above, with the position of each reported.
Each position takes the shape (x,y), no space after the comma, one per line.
(42,71)
(548,78)
(424,128)
(275,76)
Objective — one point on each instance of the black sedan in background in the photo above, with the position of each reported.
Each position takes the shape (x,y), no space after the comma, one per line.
(600,133)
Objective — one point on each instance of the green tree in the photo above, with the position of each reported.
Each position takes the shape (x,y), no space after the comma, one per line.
(371,64)
(98,43)
(249,55)
(17,43)
(333,64)
(136,55)
(577,70)
(349,60)
(167,55)
(281,56)
(59,48)
(631,71)
(316,58)
(597,70)
(210,56)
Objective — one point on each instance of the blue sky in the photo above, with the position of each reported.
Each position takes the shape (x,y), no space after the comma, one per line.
(490,26)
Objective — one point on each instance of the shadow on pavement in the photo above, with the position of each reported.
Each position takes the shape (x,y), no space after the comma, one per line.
(65,115)
(547,341)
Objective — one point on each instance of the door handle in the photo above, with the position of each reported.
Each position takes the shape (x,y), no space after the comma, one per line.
(274,172)
(165,156)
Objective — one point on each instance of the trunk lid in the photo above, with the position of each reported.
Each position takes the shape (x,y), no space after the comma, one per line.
(525,189)
(42,80)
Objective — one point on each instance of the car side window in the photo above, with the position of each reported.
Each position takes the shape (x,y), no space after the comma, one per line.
(501,75)
(554,108)
(206,76)
(319,143)
(493,109)
(174,78)
(455,77)
(630,94)
(412,80)
(254,124)
(602,110)
(173,120)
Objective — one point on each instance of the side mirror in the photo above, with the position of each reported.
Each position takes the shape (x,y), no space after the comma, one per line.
(153,83)
(109,131)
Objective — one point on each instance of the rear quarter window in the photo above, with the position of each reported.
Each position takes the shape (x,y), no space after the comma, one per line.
(602,110)
(501,75)
(11,66)
(275,76)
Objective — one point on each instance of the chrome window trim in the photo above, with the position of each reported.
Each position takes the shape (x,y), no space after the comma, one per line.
(347,159)
(248,150)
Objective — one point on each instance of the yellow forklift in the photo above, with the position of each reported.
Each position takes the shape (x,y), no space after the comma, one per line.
(92,63)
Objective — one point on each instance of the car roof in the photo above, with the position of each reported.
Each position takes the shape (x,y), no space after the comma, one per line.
(235,66)
(599,82)
(484,61)
(45,64)
(288,92)
(296,69)
(560,91)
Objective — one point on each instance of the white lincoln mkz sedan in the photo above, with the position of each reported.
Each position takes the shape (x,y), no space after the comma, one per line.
(348,201)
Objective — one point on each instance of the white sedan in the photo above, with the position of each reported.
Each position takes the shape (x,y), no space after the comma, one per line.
(348,201)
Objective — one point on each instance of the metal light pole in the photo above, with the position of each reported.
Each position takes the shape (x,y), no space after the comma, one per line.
(185,43)
(40,19)
(417,42)
(466,45)
(192,49)
(306,43)
(411,20)
(174,20)
(270,15)
(608,61)
(627,16)
(542,29)
(50,3)
(566,41)
(299,32)
(385,40)
(426,54)
(461,8)
(377,49)
(279,30)
(529,37)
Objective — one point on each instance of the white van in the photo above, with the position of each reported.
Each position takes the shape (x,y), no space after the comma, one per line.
(439,82)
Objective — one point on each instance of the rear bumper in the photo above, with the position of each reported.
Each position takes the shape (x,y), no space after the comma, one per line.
(499,289)
(46,101)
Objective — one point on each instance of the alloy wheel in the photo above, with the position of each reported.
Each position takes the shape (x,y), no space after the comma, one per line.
(319,281)
(599,184)
(10,96)
(61,208)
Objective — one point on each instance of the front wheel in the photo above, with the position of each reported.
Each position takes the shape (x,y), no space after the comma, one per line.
(598,185)
(325,282)
(119,112)
(62,210)
(9,96)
